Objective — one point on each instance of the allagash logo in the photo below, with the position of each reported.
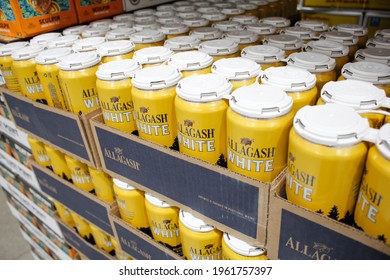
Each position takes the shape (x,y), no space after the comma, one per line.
(117,155)
(317,251)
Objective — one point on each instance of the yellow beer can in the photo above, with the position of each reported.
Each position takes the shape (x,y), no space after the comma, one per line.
(279,22)
(88,44)
(304,33)
(6,60)
(152,56)
(191,63)
(147,38)
(102,240)
(300,84)
(121,33)
(290,44)
(172,30)
(114,90)
(220,48)
(25,69)
(321,65)
(371,211)
(43,39)
(379,55)
(201,117)
(182,43)
(206,33)
(199,240)
(58,163)
(195,23)
(214,17)
(228,25)
(274,8)
(358,30)
(237,70)
(63,41)
(82,227)
(48,74)
(80,174)
(237,249)
(74,30)
(131,204)
(38,152)
(102,183)
(92,32)
(378,42)
(115,50)
(78,81)
(347,39)
(119,253)
(317,26)
(362,96)
(164,222)
(243,38)
(266,56)
(326,159)
(153,95)
(332,49)
(259,120)
(373,72)
(118,25)
(64,214)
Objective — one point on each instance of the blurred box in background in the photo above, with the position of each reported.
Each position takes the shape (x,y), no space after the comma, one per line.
(89,10)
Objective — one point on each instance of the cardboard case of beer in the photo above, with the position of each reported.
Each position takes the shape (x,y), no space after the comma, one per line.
(26,18)
(376,21)
(89,10)
(300,234)
(349,4)
(131,5)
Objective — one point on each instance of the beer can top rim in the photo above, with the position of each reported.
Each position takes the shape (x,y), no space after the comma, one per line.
(144,19)
(124,17)
(383,33)
(27,52)
(79,60)
(42,39)
(144,12)
(147,36)
(74,30)
(232,11)
(7,49)
(331,125)
(214,16)
(290,78)
(260,101)
(219,47)
(117,47)
(195,21)
(123,185)
(163,14)
(152,55)
(383,141)
(63,41)
(301,32)
(174,28)
(190,60)
(359,95)
(245,19)
(95,31)
(121,33)
(185,8)
(241,247)
(261,28)
(206,33)
(193,223)
(369,71)
(331,48)
(355,29)
(101,22)
(345,38)
(242,36)
(182,43)
(378,42)
(114,25)
(315,25)
(236,68)
(52,56)
(311,61)
(118,70)
(158,77)
(172,20)
(263,53)
(88,44)
(156,202)
(284,41)
(380,55)
(276,21)
(208,9)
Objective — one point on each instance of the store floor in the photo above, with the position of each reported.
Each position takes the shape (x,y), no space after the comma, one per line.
(12,244)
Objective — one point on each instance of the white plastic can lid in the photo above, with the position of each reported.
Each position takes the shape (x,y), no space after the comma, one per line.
(120,33)
(232,11)
(261,28)
(236,68)
(144,18)
(124,17)
(42,39)
(383,141)
(185,8)
(7,49)
(355,29)
(246,6)
(228,25)
(52,56)
(74,30)
(219,47)
(77,61)
(63,41)
(112,48)
(245,19)
(379,55)
(123,185)
(263,53)
(147,36)
(208,10)
(163,14)
(259,2)
(207,33)
(185,15)
(118,24)
(149,26)
(345,38)
(368,71)
(285,42)
(353,93)
(152,55)
(169,20)
(328,47)
(303,33)
(214,16)
(315,25)
(190,60)
(378,42)
(182,43)
(95,31)
(105,22)
(156,202)
(276,21)
(144,12)
(88,44)
(242,36)
(385,33)
(174,28)
(195,22)
(166,7)
(241,247)
(311,61)
(291,79)
(27,52)
(158,77)
(192,223)
(203,88)
(331,125)
(117,70)
(260,101)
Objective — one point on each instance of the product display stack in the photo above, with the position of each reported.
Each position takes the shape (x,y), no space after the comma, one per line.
(205,131)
